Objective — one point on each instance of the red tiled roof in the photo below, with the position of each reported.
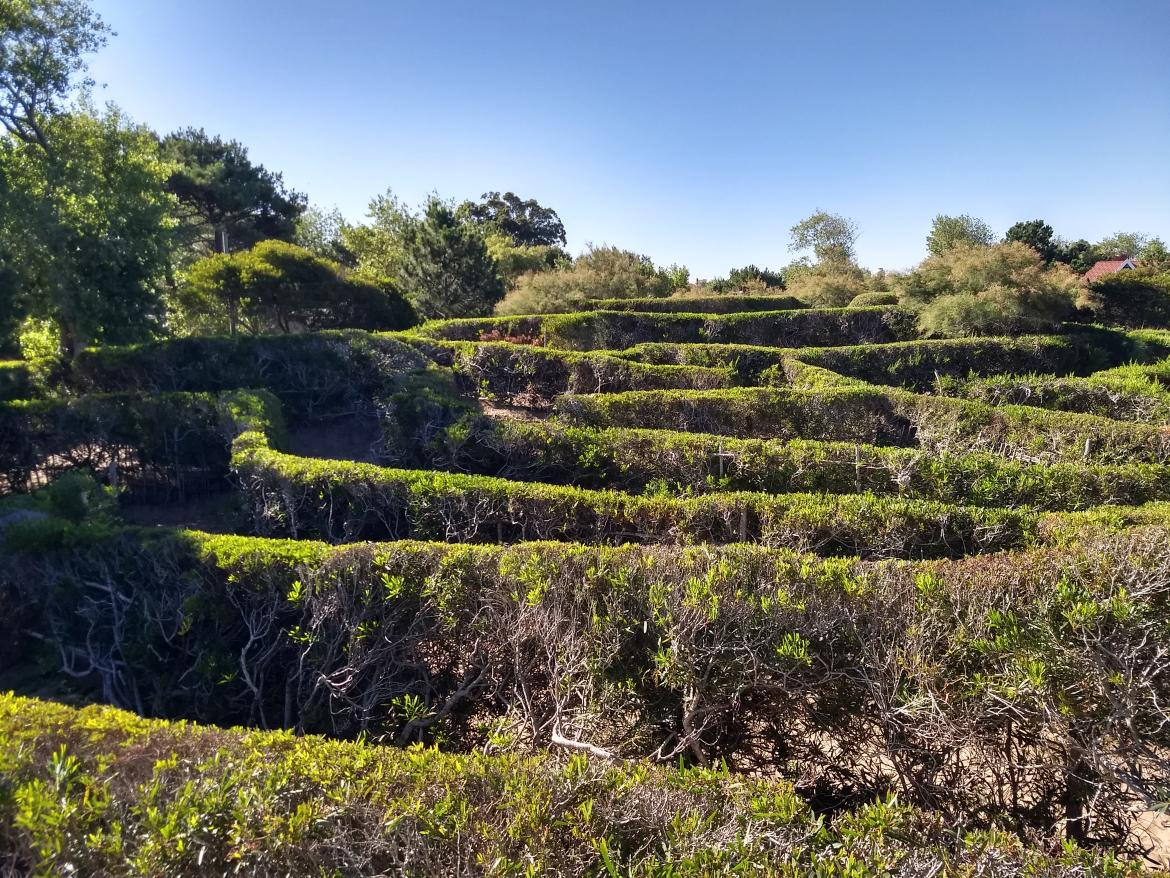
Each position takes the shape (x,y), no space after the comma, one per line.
(1104,267)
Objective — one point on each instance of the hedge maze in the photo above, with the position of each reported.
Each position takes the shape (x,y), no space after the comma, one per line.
(671,587)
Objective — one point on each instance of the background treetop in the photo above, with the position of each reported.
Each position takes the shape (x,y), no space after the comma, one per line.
(227,202)
(526,222)
(831,237)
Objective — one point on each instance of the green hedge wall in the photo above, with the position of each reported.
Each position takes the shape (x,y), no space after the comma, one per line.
(959,685)
(729,304)
(533,376)
(341,501)
(99,791)
(878,416)
(15,380)
(611,330)
(171,442)
(640,460)
(313,375)
(917,365)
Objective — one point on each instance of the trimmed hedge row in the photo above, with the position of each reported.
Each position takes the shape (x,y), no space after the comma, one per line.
(729,304)
(99,791)
(16,380)
(640,460)
(341,501)
(1127,393)
(611,330)
(878,416)
(533,376)
(1024,690)
(918,365)
(178,442)
(313,375)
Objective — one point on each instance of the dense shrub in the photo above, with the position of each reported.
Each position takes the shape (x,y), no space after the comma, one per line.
(609,330)
(279,287)
(1127,393)
(873,300)
(1024,690)
(833,287)
(1001,289)
(639,460)
(86,786)
(341,500)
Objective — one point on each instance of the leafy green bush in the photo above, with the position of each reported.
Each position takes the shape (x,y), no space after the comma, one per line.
(16,381)
(1136,298)
(601,273)
(279,287)
(873,300)
(99,791)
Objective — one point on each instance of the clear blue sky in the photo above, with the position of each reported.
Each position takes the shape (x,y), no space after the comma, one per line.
(696,133)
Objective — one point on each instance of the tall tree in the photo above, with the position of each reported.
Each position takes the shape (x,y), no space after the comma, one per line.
(1122,245)
(227,203)
(1038,235)
(832,238)
(948,232)
(446,269)
(92,229)
(43,44)
(526,222)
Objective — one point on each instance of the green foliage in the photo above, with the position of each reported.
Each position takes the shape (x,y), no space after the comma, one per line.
(722,304)
(948,232)
(278,287)
(76,495)
(834,286)
(739,279)
(446,269)
(1001,289)
(873,300)
(1038,235)
(313,375)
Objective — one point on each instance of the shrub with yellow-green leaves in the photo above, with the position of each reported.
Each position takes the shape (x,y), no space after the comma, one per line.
(98,791)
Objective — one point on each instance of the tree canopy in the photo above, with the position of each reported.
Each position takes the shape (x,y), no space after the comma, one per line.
(948,232)
(226,201)
(831,237)
(525,221)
